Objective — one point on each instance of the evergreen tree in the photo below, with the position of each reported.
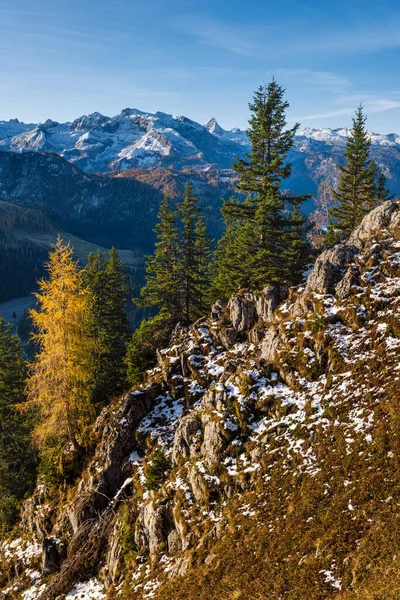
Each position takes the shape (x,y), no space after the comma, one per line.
(233,261)
(108,283)
(203,257)
(358,185)
(17,460)
(177,273)
(193,258)
(264,236)
(59,386)
(162,287)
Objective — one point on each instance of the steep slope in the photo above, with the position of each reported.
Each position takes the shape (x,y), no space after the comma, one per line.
(26,236)
(101,209)
(260,461)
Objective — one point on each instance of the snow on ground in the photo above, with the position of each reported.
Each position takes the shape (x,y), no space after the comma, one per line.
(88,590)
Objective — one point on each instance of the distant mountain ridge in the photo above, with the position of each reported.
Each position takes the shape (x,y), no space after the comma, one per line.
(142,140)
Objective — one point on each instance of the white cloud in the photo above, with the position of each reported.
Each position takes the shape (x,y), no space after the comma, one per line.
(271,41)
(370,106)
(324,80)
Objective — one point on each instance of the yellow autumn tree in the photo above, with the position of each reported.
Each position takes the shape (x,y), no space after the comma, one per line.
(60,381)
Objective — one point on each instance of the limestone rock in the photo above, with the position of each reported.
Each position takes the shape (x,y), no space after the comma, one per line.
(267,302)
(228,336)
(174,542)
(343,288)
(329,269)
(152,527)
(213,444)
(184,443)
(199,488)
(242,311)
(270,345)
(216,310)
(373,223)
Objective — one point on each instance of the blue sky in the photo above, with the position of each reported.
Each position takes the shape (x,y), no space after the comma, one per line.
(63,58)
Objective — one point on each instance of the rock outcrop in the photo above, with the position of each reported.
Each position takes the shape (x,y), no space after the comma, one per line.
(256,432)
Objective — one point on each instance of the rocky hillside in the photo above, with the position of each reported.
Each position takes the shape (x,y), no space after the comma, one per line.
(260,461)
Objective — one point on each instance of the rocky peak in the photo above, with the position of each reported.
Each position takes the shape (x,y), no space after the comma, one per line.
(213,127)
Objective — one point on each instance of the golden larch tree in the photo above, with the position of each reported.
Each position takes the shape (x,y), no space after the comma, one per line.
(59,385)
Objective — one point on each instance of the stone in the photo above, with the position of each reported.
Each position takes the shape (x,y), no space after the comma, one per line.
(174,542)
(343,288)
(228,336)
(199,488)
(185,445)
(270,345)
(152,527)
(210,559)
(216,310)
(267,303)
(213,444)
(242,311)
(374,222)
(328,269)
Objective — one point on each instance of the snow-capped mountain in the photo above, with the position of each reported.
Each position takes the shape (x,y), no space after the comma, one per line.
(133,138)
(142,140)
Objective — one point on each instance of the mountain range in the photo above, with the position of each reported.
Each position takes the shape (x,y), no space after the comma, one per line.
(141,140)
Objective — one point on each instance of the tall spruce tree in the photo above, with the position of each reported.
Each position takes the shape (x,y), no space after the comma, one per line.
(107,280)
(162,287)
(17,459)
(263,237)
(177,272)
(361,186)
(193,259)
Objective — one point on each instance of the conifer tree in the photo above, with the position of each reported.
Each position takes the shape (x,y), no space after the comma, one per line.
(108,283)
(263,234)
(17,460)
(233,261)
(162,287)
(193,258)
(59,386)
(360,184)
(177,273)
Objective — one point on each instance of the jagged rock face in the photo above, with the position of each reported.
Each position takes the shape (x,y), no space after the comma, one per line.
(269,434)
(242,311)
(152,527)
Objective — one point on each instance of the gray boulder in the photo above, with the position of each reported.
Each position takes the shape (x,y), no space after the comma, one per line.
(242,311)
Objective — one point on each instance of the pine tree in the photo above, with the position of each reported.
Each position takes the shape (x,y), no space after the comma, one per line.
(108,283)
(59,386)
(233,260)
(263,234)
(203,257)
(356,191)
(193,257)
(162,287)
(17,460)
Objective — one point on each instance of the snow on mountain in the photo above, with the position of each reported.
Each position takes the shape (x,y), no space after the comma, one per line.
(131,139)
(137,139)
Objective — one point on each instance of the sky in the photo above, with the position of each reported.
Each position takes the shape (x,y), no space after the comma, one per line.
(60,59)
